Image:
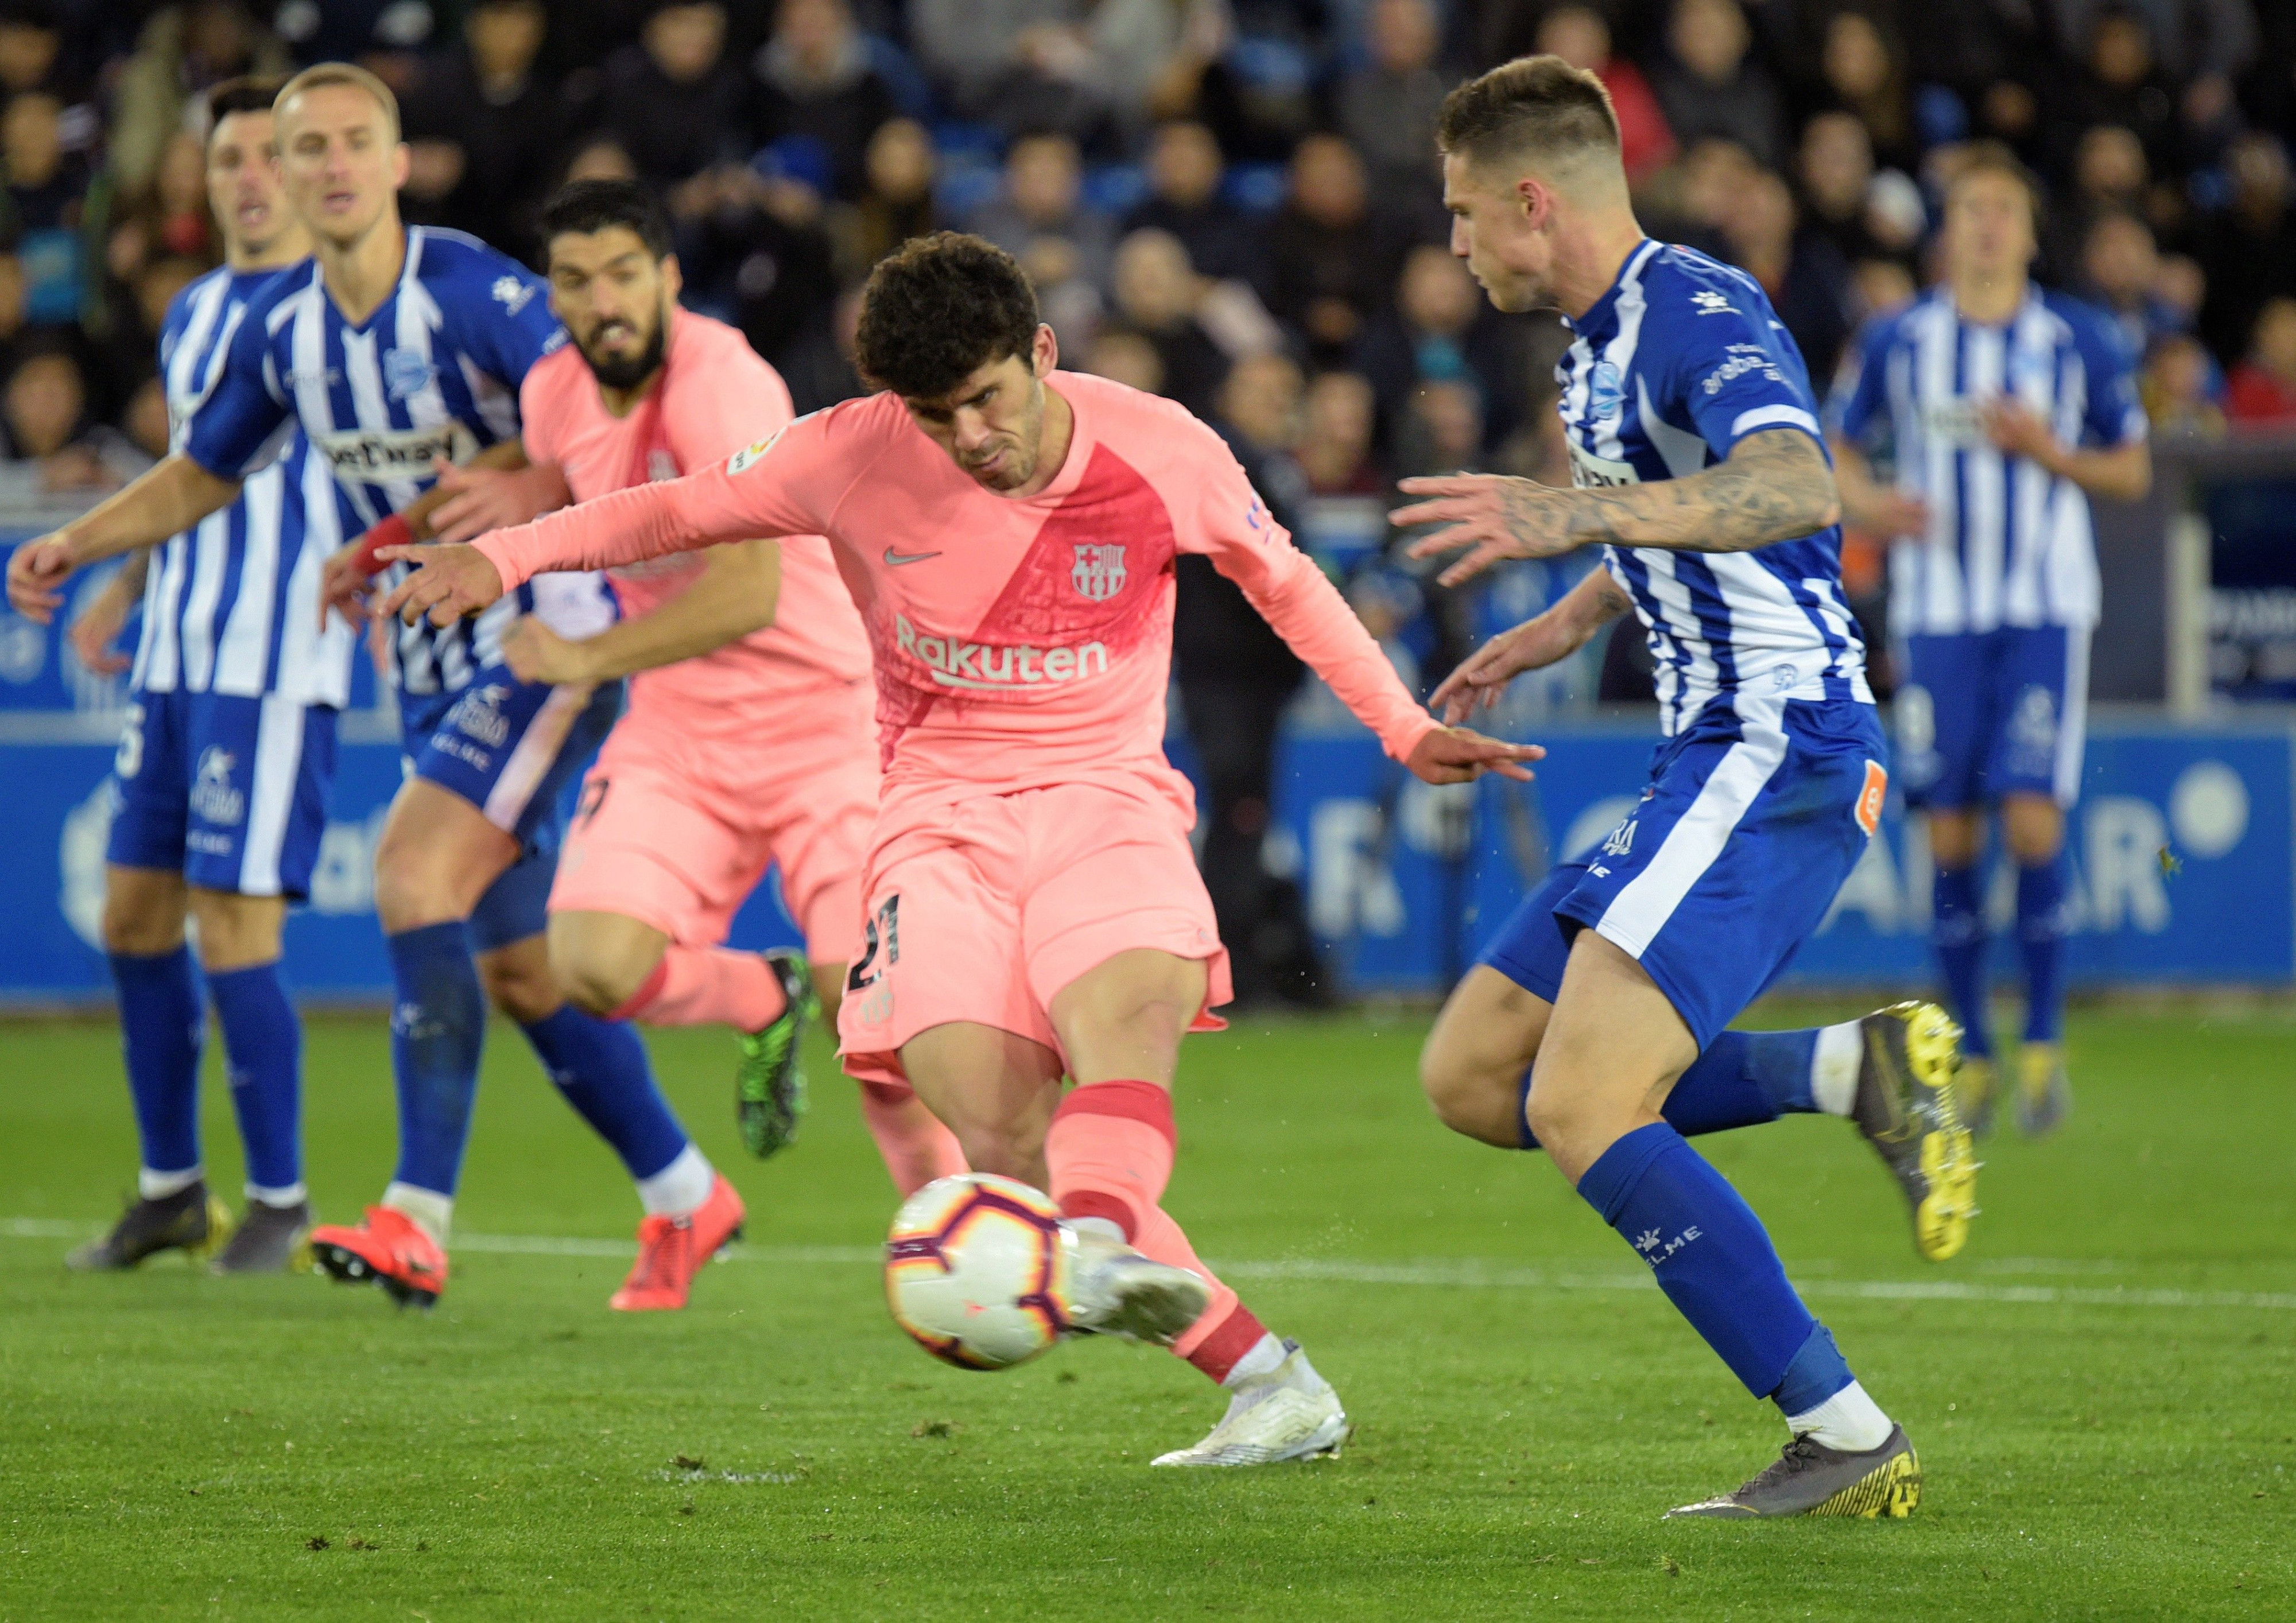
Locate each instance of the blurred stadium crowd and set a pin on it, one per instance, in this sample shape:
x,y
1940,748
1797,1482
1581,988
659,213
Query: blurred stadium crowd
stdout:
x,y
1232,202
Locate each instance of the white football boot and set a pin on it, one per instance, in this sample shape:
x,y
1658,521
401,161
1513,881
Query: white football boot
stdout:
x,y
1291,1413
1114,1291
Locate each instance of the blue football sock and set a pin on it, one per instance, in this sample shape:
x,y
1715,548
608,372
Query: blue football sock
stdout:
x,y
1816,1373
1744,1079
601,1067
438,1027
264,1042
1957,929
1707,1249
2041,940
160,1027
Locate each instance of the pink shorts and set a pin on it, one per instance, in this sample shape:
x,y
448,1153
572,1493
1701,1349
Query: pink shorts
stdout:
x,y
981,909
677,834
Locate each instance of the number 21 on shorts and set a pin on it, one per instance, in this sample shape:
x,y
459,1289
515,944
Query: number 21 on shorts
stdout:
x,y
881,933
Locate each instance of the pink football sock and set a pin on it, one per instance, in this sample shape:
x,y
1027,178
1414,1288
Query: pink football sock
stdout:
x,y
917,1149
1110,1153
708,986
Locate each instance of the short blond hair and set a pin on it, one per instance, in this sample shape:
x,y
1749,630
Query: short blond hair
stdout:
x,y
1532,108
320,75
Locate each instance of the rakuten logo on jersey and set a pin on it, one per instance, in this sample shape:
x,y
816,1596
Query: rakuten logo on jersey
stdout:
x,y
959,664
383,456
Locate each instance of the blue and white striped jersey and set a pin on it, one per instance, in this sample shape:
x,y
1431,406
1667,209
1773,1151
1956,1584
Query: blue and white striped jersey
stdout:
x,y
232,606
433,372
2009,543
1679,361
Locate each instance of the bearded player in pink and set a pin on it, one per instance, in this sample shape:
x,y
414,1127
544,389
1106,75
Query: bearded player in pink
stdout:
x,y
737,749
1009,533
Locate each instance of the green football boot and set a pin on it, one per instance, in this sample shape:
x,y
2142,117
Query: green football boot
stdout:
x,y
769,1083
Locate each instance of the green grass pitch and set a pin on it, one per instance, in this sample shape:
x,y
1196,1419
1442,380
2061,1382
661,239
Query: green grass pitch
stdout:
x,y
2102,1388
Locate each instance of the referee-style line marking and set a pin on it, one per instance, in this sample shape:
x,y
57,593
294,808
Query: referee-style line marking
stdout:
x,y
1464,1275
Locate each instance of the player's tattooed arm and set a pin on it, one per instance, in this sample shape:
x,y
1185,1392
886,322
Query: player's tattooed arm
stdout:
x,y
1774,486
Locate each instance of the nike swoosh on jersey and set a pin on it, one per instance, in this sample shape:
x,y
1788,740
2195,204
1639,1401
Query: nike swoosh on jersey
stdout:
x,y
898,558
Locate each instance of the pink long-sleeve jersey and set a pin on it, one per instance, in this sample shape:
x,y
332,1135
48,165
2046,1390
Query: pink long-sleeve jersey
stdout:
x,y
713,396
1017,642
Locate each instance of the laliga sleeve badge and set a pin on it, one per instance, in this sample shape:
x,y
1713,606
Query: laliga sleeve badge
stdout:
x,y
1870,798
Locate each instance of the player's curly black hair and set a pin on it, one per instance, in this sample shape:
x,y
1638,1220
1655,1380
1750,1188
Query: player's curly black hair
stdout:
x,y
939,308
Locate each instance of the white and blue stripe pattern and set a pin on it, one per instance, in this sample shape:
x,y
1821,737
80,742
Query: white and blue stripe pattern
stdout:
x,y
231,606
1679,361
433,372
2009,544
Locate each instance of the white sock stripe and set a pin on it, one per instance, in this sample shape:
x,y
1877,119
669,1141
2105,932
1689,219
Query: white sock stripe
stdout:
x,y
678,1189
1849,1421
431,1212
1267,1354
152,1185
1833,1068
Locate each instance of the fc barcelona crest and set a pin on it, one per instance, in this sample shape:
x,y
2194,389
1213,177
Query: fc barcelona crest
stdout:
x,y
1099,572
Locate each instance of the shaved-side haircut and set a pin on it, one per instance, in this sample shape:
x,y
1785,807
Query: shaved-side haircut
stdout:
x,y
1534,110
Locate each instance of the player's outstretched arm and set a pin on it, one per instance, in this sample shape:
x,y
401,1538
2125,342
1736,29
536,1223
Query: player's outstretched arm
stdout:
x,y
1774,486
1537,643
1308,612
448,584
342,588
734,593
99,623
1872,505
173,496
1455,755
680,516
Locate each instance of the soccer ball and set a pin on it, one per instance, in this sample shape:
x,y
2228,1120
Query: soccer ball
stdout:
x,y
975,1270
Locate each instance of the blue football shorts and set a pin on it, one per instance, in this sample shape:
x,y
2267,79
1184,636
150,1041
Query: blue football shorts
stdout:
x,y
231,791
1992,713
510,748
1753,816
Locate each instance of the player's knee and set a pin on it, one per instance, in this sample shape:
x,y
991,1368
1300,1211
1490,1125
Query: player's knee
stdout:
x,y
594,988
2033,831
521,985
595,980
1003,1150
237,931
411,889
137,925
1478,1100
1556,1122
1954,838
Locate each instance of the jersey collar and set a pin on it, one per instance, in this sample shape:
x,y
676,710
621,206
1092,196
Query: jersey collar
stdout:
x,y
1600,311
2032,297
1080,439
